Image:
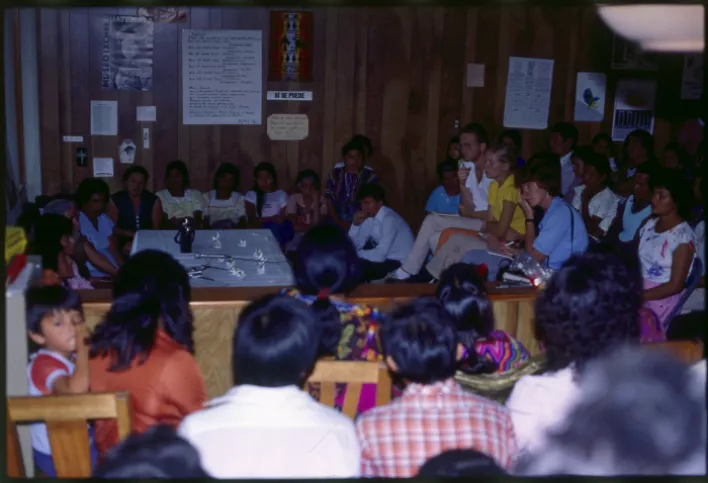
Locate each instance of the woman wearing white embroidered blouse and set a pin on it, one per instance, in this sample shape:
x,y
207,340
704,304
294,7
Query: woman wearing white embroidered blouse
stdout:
x,y
590,306
224,206
178,201
594,199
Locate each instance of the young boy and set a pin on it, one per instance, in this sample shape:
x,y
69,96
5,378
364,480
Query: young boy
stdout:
x,y
55,323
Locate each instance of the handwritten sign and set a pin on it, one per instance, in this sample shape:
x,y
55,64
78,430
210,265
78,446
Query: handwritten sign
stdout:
x,y
289,95
222,77
288,127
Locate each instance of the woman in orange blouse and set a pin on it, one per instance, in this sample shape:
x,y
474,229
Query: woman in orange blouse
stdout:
x,y
145,346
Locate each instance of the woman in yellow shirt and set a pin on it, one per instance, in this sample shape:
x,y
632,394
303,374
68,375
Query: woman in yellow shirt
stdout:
x,y
505,219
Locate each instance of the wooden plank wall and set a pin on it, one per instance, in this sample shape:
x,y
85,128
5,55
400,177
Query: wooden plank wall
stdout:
x,y
394,74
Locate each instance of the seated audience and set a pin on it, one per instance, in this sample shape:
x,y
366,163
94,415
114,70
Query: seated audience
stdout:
x,y
157,453
224,207
446,197
434,414
306,207
589,307
346,178
463,294
561,232
602,144
266,204
512,138
675,157
474,188
638,412
55,324
266,426
91,198
564,140
134,208
594,199
460,462
144,346
632,213
326,269
638,148
578,163
382,238
178,201
55,244
667,244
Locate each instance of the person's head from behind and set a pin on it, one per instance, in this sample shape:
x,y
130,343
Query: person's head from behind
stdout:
x,y
151,293
63,207
639,412
135,179
670,195
539,180
447,172
638,147
354,155
226,178
460,462
512,137
674,156
308,182
92,196
276,342
641,182
578,160
500,161
53,314
54,238
176,177
596,172
602,144
564,138
453,148
371,197
590,306
326,263
157,453
473,142
420,342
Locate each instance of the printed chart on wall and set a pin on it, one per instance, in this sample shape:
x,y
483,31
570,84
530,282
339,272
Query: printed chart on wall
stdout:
x,y
222,77
634,107
590,97
692,80
528,93
126,60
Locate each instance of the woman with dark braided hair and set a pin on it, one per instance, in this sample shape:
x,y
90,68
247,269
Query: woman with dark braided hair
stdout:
x,y
266,204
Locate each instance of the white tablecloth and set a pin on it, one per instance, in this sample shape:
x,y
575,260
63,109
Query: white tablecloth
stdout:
x,y
277,272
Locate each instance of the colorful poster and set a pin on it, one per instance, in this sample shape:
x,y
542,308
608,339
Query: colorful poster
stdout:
x,y
126,60
291,46
634,107
165,14
692,81
627,55
590,90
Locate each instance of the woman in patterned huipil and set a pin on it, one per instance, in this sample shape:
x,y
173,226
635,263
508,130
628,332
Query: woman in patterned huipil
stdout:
x,y
346,178
327,265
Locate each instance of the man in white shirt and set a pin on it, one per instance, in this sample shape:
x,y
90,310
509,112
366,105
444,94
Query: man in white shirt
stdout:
x,y
564,139
474,188
382,238
266,426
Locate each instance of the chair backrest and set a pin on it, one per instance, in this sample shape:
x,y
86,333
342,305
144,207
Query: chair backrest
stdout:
x,y
329,373
688,351
692,281
66,418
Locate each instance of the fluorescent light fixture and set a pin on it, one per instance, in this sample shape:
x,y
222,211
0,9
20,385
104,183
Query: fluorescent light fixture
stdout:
x,y
659,28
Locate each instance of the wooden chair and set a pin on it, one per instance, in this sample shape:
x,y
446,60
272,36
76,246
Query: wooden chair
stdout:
x,y
66,418
688,351
328,373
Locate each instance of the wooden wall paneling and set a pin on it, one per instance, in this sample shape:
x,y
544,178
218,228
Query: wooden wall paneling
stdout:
x,y
330,152
571,18
50,122
65,118
470,58
346,62
214,151
505,34
360,61
488,32
80,105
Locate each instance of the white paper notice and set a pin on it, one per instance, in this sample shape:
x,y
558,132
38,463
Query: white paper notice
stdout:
x,y
288,127
221,76
104,118
634,107
102,167
692,81
475,75
289,95
590,90
528,93
146,138
73,139
146,113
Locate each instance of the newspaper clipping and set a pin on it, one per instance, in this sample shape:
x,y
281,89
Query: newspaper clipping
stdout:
x,y
126,60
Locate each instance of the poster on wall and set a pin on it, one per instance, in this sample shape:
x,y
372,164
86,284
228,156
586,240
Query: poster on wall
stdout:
x,y
692,80
222,77
291,46
165,14
528,93
634,107
126,59
628,55
590,90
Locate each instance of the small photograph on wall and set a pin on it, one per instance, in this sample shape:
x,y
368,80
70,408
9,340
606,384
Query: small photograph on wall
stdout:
x,y
634,107
291,46
165,14
126,60
628,55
